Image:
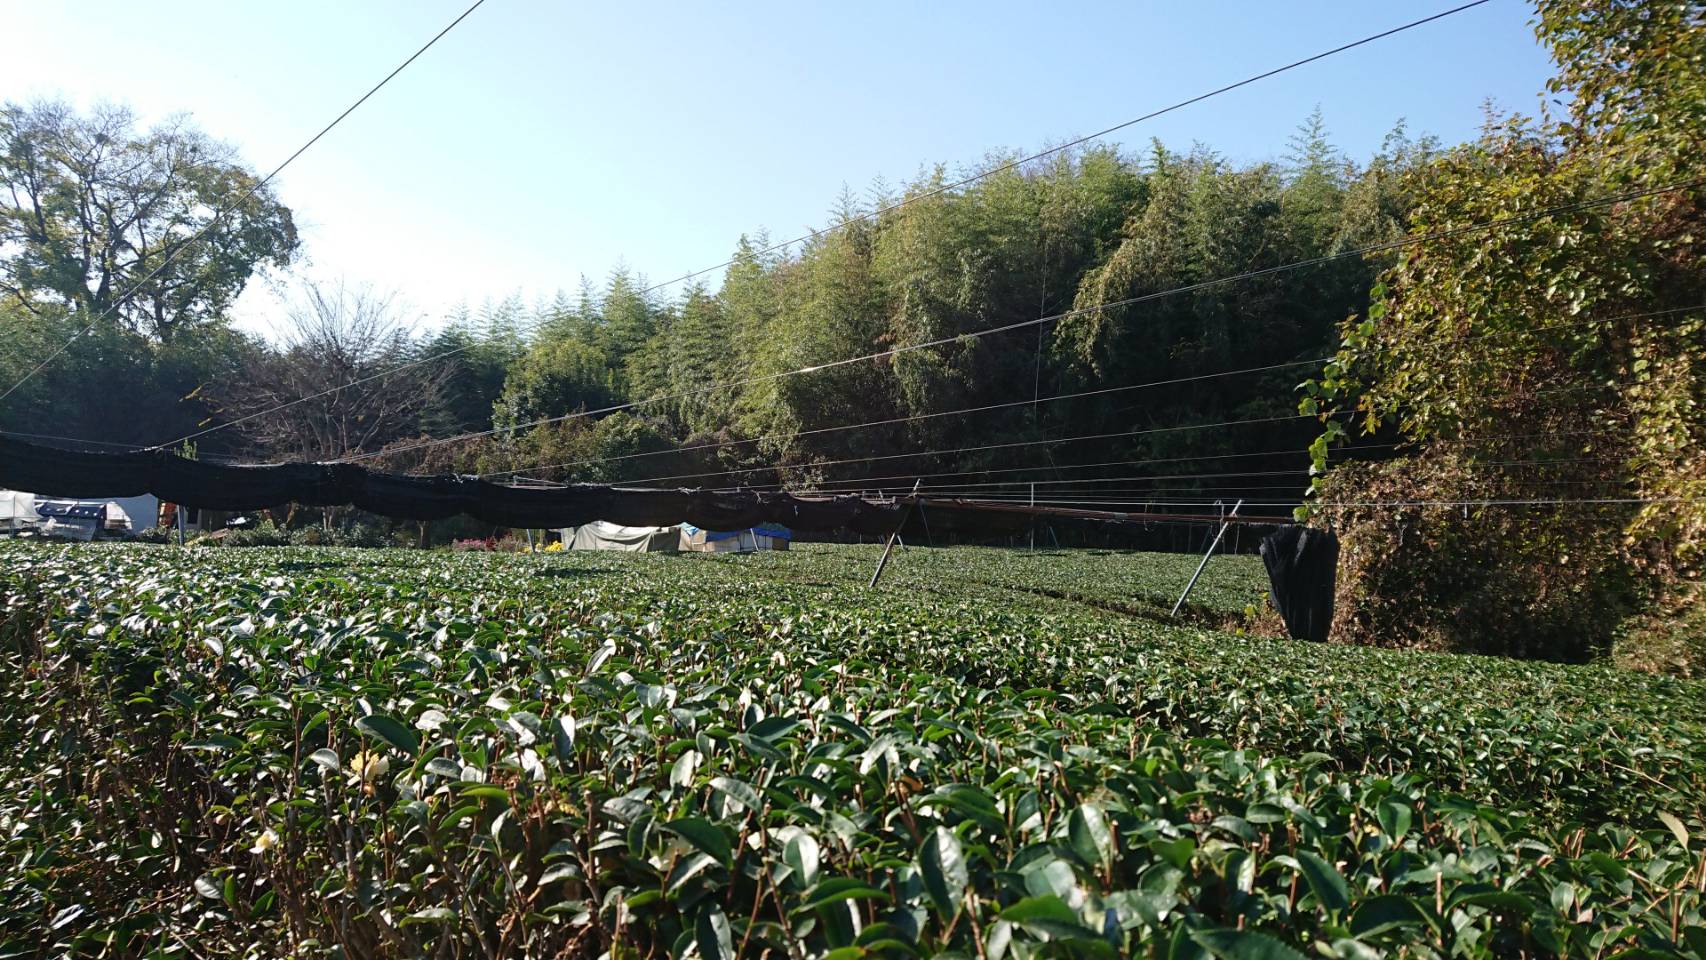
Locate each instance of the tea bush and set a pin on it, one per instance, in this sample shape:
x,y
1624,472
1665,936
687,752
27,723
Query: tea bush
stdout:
x,y
355,753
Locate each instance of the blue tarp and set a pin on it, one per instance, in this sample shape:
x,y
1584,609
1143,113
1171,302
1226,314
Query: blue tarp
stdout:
x,y
72,510
764,530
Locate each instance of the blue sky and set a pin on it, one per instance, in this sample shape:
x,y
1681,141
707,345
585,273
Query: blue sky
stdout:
x,y
542,141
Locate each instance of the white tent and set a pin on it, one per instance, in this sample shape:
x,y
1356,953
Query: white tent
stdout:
x,y
599,535
18,511
139,513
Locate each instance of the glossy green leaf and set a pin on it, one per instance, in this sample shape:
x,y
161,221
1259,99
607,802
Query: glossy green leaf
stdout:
x,y
943,866
708,837
391,731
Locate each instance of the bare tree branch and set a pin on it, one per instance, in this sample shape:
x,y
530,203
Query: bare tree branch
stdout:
x,y
337,335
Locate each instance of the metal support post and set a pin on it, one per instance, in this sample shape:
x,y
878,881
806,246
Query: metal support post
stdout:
x,y
888,548
1034,516
180,513
1227,522
530,540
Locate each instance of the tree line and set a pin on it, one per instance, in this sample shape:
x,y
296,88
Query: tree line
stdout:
x,y
1062,238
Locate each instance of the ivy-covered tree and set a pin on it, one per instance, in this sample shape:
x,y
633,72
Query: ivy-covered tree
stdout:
x,y
1552,361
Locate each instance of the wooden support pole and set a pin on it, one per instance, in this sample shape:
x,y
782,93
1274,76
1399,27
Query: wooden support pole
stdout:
x,y
1210,552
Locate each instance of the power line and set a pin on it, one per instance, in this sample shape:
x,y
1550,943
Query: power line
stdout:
x,y
1126,495
912,418
1288,451
855,484
936,192
232,205
80,440
1015,164
1057,488
1054,440
1053,485
994,446
1129,301
1161,496
1548,502
1223,517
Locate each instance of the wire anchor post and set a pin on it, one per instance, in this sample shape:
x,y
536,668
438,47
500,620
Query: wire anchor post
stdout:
x,y
888,548
1227,522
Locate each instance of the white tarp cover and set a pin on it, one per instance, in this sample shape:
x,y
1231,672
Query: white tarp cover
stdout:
x,y
138,513
18,511
17,505
599,535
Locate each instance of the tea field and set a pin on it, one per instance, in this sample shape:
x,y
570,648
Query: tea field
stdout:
x,y
995,754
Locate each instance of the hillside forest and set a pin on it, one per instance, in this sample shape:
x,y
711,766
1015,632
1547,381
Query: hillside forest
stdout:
x,y
1427,349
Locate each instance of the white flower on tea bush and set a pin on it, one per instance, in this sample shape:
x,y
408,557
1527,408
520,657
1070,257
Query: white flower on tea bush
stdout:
x,y
267,840
366,766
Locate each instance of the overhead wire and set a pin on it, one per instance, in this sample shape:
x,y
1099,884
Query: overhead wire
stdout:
x,y
1176,381
1069,145
1287,451
913,418
1055,440
994,446
1057,486
226,209
1004,328
77,440
905,201
1534,502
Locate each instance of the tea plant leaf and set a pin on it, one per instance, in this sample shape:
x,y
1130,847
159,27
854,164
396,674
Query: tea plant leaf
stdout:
x,y
713,935
210,887
66,916
1047,915
1394,819
708,837
1091,839
943,865
773,728
1677,829
681,774
741,793
1243,945
836,889
391,731
604,653
1325,881
326,759
801,854
1377,915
